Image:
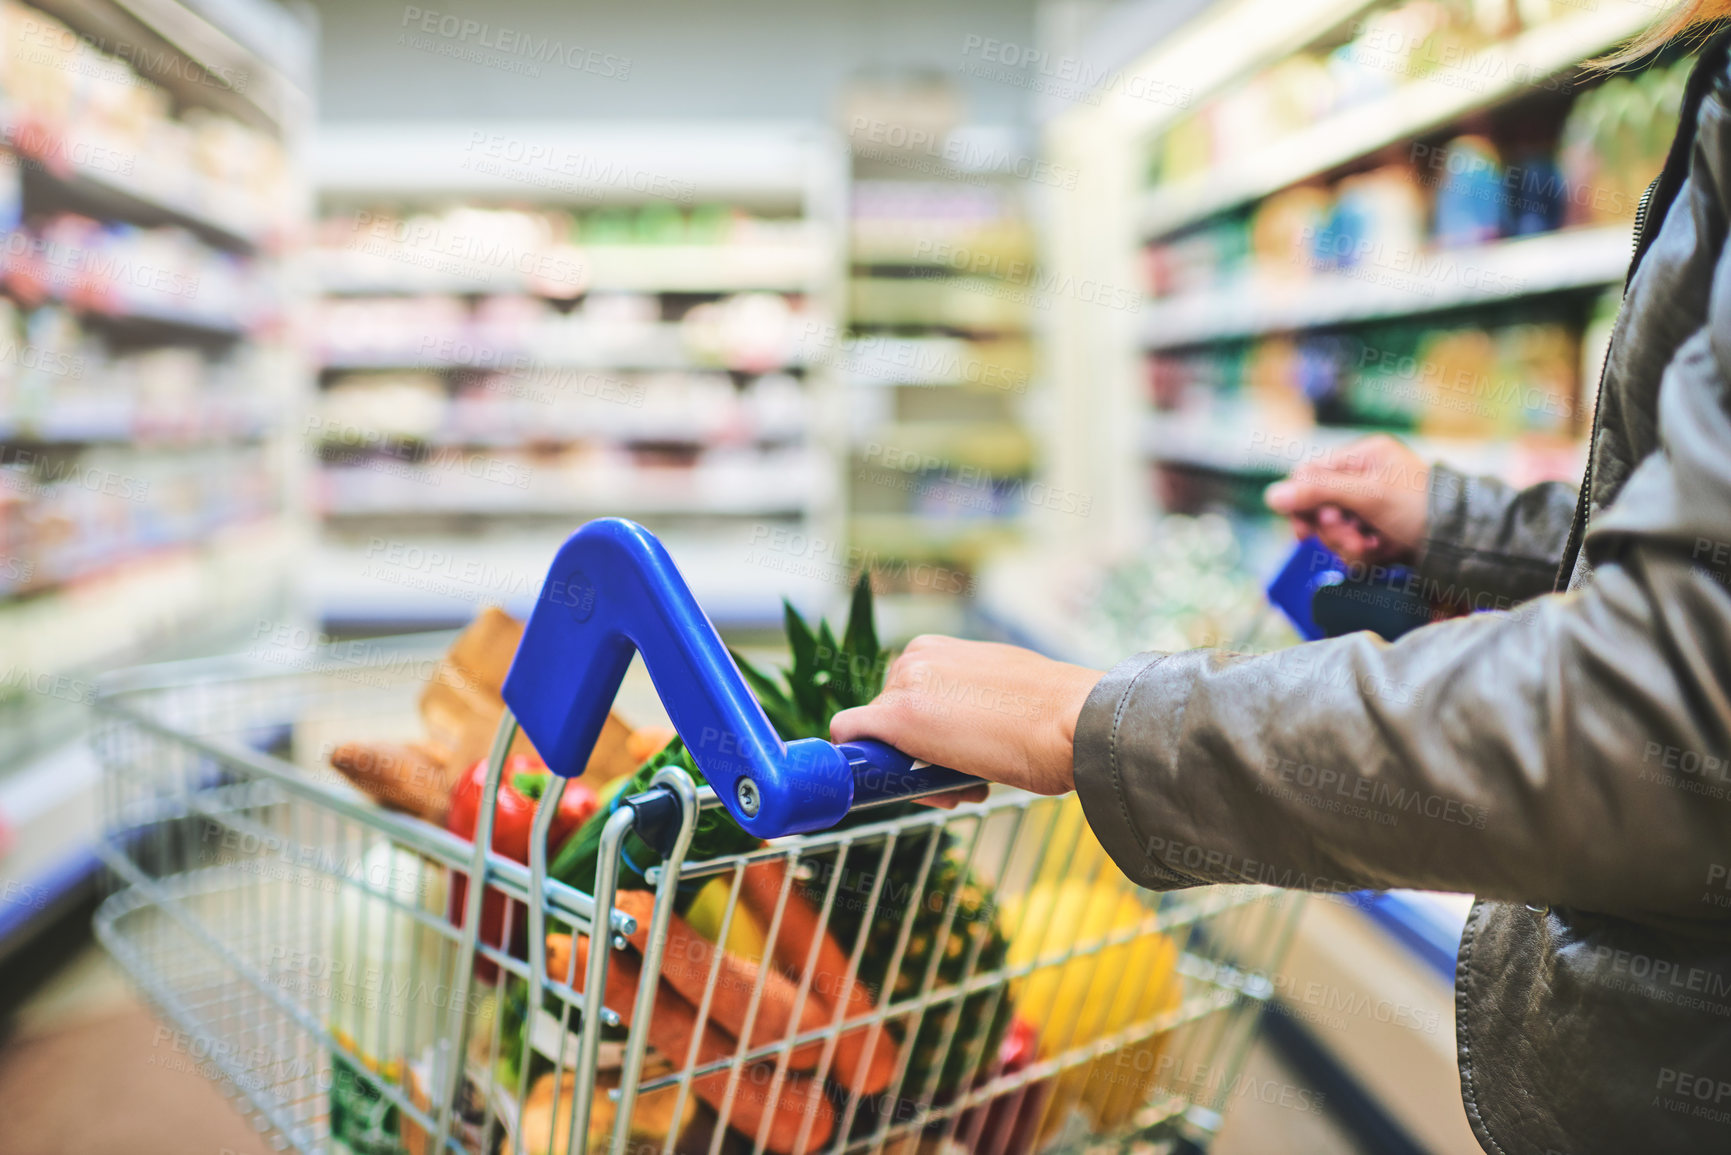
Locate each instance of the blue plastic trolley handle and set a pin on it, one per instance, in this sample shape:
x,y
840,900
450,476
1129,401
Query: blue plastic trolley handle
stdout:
x,y
613,591
1310,567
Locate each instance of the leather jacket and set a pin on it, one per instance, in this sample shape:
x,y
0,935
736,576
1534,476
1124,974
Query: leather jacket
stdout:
x,y
1566,758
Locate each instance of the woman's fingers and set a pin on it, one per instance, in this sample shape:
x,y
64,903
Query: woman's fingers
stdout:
x,y
1346,534
999,712
951,799
1366,501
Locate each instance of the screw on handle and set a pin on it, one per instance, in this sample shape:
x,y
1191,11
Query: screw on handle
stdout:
x,y
612,591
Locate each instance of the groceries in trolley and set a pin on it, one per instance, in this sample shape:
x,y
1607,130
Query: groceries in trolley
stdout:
x,y
446,947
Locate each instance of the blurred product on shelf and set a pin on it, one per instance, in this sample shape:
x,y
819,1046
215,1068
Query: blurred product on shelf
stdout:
x,y
1391,47
1453,283
939,361
106,453
79,113
573,482
122,271
1472,189
520,334
966,228
1502,379
1615,140
560,254
1375,215
365,409
491,373
1469,196
67,513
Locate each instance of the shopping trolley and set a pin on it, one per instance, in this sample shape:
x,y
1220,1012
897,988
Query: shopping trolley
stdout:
x,y
977,978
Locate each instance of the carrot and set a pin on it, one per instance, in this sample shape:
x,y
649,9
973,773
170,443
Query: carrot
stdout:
x,y
686,963
671,1029
865,1057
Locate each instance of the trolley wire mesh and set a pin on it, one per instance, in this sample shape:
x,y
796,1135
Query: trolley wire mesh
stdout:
x,y
304,943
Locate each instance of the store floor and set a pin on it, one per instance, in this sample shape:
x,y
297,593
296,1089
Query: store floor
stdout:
x,y
85,1069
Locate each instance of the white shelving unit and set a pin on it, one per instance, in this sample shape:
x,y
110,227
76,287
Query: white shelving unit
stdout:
x,y
150,507
753,473
766,267
1256,448
939,361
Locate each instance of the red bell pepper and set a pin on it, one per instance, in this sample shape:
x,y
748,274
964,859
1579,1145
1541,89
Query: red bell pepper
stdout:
x,y
520,790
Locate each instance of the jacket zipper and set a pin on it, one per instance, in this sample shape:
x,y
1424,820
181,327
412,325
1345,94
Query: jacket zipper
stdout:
x,y
1577,530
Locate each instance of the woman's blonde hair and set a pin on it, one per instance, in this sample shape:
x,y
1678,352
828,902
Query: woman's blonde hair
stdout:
x,y
1688,20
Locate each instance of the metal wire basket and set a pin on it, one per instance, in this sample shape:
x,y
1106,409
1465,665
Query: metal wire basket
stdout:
x,y
979,979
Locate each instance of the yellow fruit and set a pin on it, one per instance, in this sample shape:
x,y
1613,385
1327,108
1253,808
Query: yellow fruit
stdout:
x,y
1072,850
745,937
1101,989
1098,991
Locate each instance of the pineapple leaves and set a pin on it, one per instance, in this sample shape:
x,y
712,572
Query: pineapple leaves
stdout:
x,y
799,636
783,713
862,664
861,635
827,675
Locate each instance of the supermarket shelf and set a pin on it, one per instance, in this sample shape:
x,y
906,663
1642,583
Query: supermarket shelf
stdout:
x,y
646,358
442,580
126,614
1415,108
548,437
97,192
885,360
704,268
658,346
48,806
769,490
1426,283
976,452
553,161
104,564
138,320
694,505
915,535
122,420
1251,447
1002,249
155,322
645,268
978,306
215,70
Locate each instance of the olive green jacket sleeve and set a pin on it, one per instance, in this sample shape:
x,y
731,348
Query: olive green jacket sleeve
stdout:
x,y
1489,544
